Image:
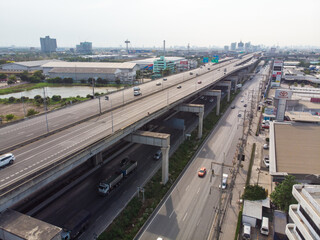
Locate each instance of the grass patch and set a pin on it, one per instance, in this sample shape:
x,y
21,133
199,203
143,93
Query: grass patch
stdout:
x,y
30,86
250,164
132,218
238,225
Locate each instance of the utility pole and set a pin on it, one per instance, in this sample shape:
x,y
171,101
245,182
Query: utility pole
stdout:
x,y
45,108
218,225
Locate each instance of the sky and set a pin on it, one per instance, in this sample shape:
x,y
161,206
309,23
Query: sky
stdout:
x,y
146,23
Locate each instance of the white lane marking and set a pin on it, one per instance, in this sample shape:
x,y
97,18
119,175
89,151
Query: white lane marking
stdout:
x,y
198,222
198,191
185,216
171,213
29,135
187,187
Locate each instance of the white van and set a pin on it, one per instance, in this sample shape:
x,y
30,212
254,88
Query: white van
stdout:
x,y
265,226
246,235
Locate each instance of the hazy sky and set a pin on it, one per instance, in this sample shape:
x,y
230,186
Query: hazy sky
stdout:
x,y
108,23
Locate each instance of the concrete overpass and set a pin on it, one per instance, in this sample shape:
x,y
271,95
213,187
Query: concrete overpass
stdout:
x,y
60,153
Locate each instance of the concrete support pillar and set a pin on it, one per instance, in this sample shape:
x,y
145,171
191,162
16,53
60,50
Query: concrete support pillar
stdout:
x,y
97,159
165,164
229,91
200,124
218,105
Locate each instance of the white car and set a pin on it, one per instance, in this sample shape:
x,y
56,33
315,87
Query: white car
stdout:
x,y
158,83
265,146
6,159
266,161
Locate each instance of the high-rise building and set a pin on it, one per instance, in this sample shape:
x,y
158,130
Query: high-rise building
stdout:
x,y
84,47
306,214
226,48
247,46
233,46
240,45
48,44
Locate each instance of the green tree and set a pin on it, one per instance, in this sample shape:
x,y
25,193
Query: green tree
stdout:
x,y
12,99
56,98
295,84
13,77
302,84
24,76
3,76
282,194
9,117
39,74
254,192
31,112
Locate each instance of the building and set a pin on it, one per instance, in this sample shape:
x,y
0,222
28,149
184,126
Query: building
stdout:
x,y
247,46
253,211
294,149
306,214
15,225
226,48
84,48
26,66
240,45
233,46
276,73
48,44
125,72
162,64
147,63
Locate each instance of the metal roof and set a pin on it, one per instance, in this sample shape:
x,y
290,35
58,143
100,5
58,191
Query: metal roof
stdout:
x,y
34,63
297,147
125,65
79,70
151,60
252,209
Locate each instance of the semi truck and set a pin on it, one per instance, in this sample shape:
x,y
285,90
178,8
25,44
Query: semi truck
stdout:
x,y
105,186
74,226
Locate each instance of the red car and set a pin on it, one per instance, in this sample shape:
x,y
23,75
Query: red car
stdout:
x,y
199,82
202,172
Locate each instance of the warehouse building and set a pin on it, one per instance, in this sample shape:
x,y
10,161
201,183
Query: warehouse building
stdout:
x,y
26,66
294,150
125,72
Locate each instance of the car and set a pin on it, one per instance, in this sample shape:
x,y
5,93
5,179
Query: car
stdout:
x,y
202,97
239,115
191,73
211,100
157,155
136,93
266,161
233,107
208,68
202,172
245,105
6,159
242,100
158,83
265,146
179,86
124,161
164,79
199,82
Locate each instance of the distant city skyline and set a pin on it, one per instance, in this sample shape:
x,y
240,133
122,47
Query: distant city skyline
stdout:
x,y
146,24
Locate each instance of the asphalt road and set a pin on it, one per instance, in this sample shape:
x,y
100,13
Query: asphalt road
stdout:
x,y
31,128
189,211
37,155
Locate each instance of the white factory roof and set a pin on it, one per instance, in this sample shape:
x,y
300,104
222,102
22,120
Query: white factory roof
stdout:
x,y
34,63
252,209
125,65
83,70
151,60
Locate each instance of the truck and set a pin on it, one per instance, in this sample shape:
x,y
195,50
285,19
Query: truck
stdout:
x,y
224,181
105,186
76,225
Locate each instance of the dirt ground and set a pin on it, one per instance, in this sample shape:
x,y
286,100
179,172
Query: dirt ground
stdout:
x,y
18,111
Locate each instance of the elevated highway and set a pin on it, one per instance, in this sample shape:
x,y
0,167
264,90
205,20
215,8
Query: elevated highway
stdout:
x,y
41,162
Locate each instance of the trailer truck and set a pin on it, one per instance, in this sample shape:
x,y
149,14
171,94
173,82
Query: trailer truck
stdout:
x,y
74,226
105,186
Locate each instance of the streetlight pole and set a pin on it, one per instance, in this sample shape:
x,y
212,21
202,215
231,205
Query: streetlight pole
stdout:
x,y
45,108
24,109
111,114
